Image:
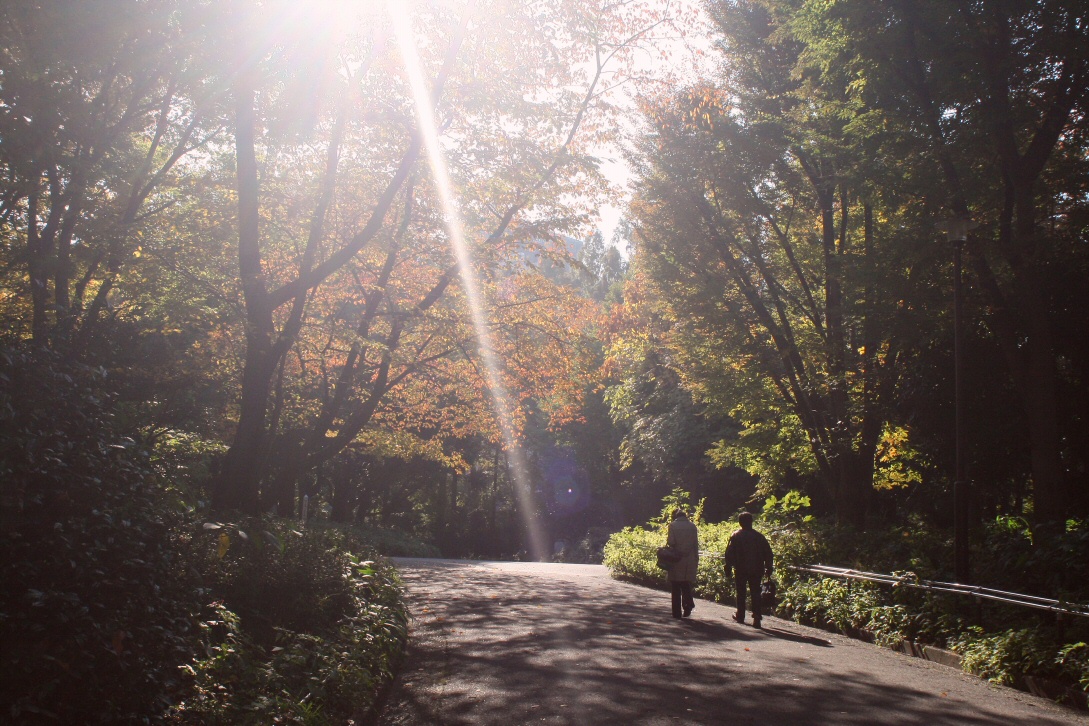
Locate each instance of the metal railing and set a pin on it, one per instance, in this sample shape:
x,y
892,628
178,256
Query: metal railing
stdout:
x,y
911,580
975,591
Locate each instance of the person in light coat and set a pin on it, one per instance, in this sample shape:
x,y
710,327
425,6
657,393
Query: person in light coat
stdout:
x,y
684,538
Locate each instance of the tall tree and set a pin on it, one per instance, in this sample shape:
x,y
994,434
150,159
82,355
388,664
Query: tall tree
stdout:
x,y
997,93
757,218
275,48
100,101
514,104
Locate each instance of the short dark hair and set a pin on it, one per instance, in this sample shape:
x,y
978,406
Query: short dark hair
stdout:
x,y
745,519
678,512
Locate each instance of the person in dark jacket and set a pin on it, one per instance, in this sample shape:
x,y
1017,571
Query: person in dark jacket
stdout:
x,y
683,537
749,556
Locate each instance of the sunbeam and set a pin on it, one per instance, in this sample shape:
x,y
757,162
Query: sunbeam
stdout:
x,y
500,396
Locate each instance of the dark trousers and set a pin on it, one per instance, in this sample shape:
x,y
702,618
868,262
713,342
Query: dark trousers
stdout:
x,y
682,597
752,584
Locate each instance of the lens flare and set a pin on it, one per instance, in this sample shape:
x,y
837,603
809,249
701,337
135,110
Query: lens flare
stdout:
x,y
500,397
566,483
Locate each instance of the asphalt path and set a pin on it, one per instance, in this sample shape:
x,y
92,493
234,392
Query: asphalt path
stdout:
x,y
537,643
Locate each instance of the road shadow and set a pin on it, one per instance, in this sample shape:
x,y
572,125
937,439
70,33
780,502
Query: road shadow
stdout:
x,y
500,647
715,631
795,637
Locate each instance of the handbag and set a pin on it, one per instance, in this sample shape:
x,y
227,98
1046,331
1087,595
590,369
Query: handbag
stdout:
x,y
768,590
667,557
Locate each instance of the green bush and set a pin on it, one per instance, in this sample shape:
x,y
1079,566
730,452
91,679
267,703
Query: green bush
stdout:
x,y
310,626
394,543
631,555
119,606
1008,558
1074,659
711,581
97,609
1007,657
860,606
1051,564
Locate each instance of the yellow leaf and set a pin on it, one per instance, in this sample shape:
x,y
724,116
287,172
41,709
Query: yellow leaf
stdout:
x,y
224,545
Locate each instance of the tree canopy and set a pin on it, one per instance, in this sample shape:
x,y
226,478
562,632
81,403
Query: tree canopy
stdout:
x,y
231,209
786,228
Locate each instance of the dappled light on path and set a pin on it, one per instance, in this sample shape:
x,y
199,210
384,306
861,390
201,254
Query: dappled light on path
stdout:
x,y
520,643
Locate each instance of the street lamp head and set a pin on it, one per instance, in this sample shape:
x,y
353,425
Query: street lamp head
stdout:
x,y
957,228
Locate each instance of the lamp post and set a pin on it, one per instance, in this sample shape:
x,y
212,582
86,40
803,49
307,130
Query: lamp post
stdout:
x,y
956,231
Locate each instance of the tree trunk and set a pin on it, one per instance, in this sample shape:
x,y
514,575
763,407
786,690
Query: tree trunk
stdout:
x,y
39,295
873,418
495,495
848,469
440,504
289,478
453,496
244,463
239,481
1040,399
343,494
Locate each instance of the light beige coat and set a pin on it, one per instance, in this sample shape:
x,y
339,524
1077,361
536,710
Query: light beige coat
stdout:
x,y
684,537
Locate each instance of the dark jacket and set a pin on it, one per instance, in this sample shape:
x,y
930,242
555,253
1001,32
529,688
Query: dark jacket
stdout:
x,y
748,553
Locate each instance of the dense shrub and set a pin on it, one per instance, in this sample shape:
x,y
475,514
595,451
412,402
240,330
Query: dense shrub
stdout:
x,y
1007,657
310,625
630,555
860,606
1006,652
122,605
394,543
97,609
1050,564
1015,642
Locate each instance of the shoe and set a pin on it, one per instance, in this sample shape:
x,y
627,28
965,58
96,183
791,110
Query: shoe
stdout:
x,y
687,612
738,619
756,624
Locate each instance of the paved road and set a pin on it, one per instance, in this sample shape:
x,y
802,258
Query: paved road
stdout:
x,y
536,643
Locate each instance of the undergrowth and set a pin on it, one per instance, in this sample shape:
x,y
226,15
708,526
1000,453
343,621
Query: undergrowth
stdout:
x,y
122,603
1003,644
309,627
